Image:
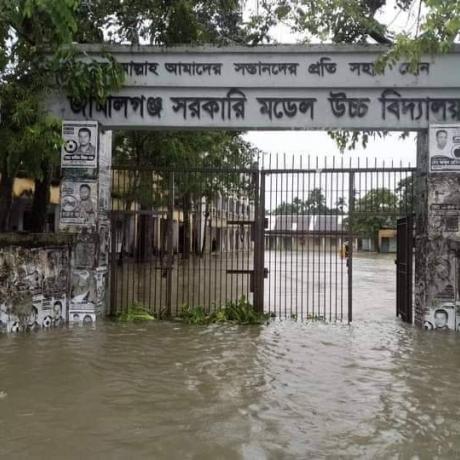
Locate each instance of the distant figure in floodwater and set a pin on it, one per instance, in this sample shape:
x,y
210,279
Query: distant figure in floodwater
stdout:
x,y
345,252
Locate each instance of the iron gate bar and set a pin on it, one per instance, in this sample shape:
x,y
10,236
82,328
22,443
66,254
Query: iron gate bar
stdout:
x,y
270,170
170,245
259,243
113,272
404,268
140,212
311,233
179,170
338,170
351,206
241,222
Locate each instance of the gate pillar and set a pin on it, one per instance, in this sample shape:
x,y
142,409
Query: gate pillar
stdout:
x,y
437,242
84,211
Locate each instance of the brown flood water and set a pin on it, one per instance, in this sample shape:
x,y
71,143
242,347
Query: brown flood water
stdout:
x,y
376,389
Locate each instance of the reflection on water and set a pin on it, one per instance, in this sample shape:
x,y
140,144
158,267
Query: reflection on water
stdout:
x,y
377,389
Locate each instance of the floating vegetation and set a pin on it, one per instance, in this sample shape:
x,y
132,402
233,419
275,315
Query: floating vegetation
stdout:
x,y
239,312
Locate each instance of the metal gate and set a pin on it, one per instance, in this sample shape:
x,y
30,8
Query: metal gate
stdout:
x,y
307,252
182,238
282,236
404,268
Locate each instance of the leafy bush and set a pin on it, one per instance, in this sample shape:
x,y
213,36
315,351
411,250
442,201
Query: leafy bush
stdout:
x,y
239,312
194,315
135,312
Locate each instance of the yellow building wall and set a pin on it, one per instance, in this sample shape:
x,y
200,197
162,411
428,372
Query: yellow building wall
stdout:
x,y
387,233
23,186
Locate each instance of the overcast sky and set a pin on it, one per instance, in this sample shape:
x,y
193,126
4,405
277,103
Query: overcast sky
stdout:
x,y
392,148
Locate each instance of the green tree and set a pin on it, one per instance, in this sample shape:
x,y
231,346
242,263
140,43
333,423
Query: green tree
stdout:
x,y
345,21
406,193
164,22
184,151
315,203
36,44
185,22
377,209
340,204
297,206
436,29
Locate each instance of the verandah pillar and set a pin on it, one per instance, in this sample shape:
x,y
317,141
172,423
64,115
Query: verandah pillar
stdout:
x,y
84,210
437,228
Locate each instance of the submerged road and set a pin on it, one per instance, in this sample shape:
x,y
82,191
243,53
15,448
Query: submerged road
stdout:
x,y
289,390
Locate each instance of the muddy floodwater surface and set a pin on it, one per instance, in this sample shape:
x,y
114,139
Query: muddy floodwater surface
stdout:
x,y
288,390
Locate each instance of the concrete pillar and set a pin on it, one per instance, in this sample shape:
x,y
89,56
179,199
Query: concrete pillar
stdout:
x,y
84,211
437,231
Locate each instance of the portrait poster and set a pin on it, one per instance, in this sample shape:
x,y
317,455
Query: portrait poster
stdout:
x,y
48,311
101,284
82,317
444,148
441,317
105,174
80,144
83,291
104,245
45,312
444,205
85,253
78,203
82,309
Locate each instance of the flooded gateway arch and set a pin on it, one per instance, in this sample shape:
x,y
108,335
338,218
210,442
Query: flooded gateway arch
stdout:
x,y
294,87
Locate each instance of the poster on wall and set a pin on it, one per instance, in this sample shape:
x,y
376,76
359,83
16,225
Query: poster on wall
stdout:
x,y
441,317
79,149
48,312
105,153
78,203
104,245
443,311
105,174
82,303
45,312
444,204
104,195
83,290
85,252
101,282
444,147
84,317
457,317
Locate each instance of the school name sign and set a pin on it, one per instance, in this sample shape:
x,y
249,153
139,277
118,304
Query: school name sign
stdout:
x,y
272,87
